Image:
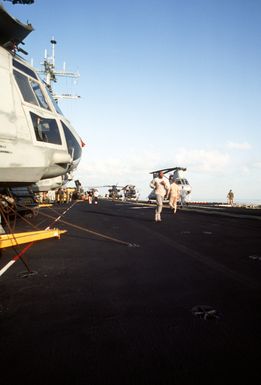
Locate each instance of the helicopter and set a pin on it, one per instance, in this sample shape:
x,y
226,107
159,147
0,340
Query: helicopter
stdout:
x,y
114,191
130,192
177,175
36,140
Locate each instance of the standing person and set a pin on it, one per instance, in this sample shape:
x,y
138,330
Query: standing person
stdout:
x,y
230,198
60,196
161,187
183,196
173,196
90,197
66,193
95,196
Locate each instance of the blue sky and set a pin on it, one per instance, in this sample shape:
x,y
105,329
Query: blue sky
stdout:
x,y
163,83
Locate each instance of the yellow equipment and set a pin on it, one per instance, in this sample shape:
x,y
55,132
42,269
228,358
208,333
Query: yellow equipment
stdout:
x,y
9,240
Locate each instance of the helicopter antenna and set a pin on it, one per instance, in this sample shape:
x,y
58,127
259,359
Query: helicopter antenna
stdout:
x,y
50,73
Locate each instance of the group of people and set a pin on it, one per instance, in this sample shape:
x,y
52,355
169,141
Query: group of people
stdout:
x,y
63,195
164,190
92,196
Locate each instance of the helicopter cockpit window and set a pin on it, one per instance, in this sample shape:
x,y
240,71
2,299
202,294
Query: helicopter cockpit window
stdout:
x,y
39,95
178,181
73,146
20,66
24,86
55,104
46,130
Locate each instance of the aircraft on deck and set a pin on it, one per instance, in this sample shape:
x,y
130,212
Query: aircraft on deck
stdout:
x,y
114,191
36,140
130,192
172,174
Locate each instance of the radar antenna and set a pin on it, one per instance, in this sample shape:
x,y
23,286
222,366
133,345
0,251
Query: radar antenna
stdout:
x,y
50,73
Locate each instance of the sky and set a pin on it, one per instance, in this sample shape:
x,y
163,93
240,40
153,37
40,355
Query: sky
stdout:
x,y
163,83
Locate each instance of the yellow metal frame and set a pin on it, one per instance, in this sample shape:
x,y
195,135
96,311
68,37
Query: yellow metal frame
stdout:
x,y
9,240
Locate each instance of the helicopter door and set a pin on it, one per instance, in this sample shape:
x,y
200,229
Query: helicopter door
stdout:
x,y
7,106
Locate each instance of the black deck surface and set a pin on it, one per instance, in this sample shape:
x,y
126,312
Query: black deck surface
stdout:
x,y
103,313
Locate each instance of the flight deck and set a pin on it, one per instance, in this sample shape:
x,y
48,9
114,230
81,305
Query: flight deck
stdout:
x,y
122,300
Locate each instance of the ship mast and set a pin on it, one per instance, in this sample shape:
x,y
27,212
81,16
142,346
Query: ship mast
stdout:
x,y
50,73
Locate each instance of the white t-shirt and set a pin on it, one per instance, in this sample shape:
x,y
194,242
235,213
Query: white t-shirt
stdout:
x,y
160,185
